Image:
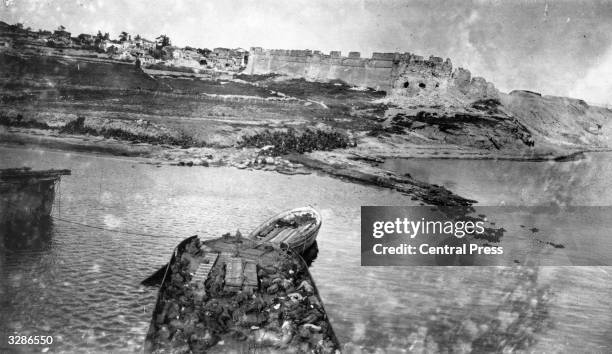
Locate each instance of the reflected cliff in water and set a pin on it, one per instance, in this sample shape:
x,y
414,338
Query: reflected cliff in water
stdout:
x,y
522,183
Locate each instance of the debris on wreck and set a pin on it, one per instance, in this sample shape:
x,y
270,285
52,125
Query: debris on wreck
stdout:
x,y
233,294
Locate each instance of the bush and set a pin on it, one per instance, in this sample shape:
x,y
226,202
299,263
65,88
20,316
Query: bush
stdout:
x,y
291,141
19,122
159,66
78,127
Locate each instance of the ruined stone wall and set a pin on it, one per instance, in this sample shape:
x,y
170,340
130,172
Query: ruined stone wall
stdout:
x,y
416,75
366,72
403,74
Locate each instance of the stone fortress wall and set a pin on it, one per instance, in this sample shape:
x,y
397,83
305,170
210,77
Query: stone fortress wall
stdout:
x,y
404,74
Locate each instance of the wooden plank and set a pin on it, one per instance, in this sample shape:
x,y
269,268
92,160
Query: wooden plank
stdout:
x,y
252,254
266,230
304,229
224,257
250,275
283,235
204,268
301,230
290,235
273,233
234,270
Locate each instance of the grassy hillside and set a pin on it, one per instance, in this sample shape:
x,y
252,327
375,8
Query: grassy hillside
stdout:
x,y
46,71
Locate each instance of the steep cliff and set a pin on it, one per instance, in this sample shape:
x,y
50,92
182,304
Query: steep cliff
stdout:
x,y
561,120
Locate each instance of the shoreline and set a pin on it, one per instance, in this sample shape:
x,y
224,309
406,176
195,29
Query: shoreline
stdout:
x,y
345,164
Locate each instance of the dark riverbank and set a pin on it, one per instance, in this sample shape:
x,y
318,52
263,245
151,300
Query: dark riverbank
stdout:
x,y
341,163
362,173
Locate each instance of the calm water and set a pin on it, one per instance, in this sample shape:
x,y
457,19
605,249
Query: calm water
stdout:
x,y
82,286
581,182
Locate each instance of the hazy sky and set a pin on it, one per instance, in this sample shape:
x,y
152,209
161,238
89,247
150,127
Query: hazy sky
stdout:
x,y
554,47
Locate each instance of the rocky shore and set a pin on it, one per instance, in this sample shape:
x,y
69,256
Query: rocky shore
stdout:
x,y
357,164
334,163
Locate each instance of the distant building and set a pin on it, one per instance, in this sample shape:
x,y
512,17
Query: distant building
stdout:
x,y
144,43
125,44
190,54
176,53
241,55
225,58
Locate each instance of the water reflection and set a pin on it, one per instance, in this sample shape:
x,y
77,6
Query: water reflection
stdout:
x,y
508,321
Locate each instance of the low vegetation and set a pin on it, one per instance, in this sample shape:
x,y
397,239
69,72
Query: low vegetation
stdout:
x,y
77,126
19,122
291,140
160,66
256,77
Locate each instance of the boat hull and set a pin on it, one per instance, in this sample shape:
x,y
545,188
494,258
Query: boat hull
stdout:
x,y
235,295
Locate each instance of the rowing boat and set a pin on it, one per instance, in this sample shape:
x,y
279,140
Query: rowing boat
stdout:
x,y
297,228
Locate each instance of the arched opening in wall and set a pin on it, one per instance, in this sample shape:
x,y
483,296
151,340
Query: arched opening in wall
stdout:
x,y
203,62
422,85
406,84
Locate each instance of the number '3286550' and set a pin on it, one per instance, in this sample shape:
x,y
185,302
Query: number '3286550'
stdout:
x,y
30,340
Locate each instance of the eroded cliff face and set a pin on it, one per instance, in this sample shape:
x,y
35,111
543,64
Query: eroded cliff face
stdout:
x,y
520,123
483,125
436,104
432,103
